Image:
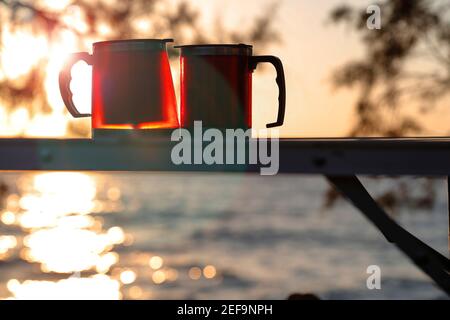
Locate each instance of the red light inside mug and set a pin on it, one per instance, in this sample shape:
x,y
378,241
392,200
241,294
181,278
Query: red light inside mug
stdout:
x,y
132,85
216,85
133,90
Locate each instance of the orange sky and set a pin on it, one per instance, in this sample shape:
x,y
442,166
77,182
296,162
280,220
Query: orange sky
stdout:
x,y
311,50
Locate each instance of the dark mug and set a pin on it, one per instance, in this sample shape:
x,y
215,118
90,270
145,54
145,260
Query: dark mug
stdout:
x,y
132,85
216,85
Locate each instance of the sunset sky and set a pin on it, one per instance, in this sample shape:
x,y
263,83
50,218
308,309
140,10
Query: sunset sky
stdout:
x,y
175,235
311,49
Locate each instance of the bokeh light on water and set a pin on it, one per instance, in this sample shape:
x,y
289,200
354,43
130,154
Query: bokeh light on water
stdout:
x,y
53,226
60,234
95,287
194,236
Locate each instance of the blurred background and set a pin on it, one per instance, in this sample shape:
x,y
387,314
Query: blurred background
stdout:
x,y
343,79
143,236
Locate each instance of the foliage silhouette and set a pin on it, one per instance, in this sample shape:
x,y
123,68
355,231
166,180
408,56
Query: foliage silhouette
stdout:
x,y
405,70
406,66
180,21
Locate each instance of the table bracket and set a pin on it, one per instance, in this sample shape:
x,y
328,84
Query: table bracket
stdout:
x,y
431,262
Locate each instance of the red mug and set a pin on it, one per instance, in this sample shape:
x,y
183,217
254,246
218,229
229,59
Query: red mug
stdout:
x,y
132,85
216,85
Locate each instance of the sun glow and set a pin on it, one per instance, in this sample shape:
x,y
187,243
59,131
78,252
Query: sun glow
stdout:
x,y
95,287
60,230
23,50
56,196
63,237
57,4
7,243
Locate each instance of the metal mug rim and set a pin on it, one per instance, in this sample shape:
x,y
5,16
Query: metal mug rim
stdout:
x,y
216,49
131,44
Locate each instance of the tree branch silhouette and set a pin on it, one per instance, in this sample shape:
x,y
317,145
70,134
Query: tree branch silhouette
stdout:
x,y
389,77
180,21
406,67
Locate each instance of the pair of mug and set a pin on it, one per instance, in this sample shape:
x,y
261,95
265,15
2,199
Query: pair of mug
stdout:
x,y
132,85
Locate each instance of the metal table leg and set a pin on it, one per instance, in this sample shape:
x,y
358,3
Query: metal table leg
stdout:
x,y
434,264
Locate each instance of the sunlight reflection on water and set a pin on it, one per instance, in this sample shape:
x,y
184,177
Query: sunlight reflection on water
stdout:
x,y
58,223
63,237
154,236
95,287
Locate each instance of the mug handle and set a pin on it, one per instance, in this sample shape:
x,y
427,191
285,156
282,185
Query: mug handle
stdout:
x,y
281,82
64,82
